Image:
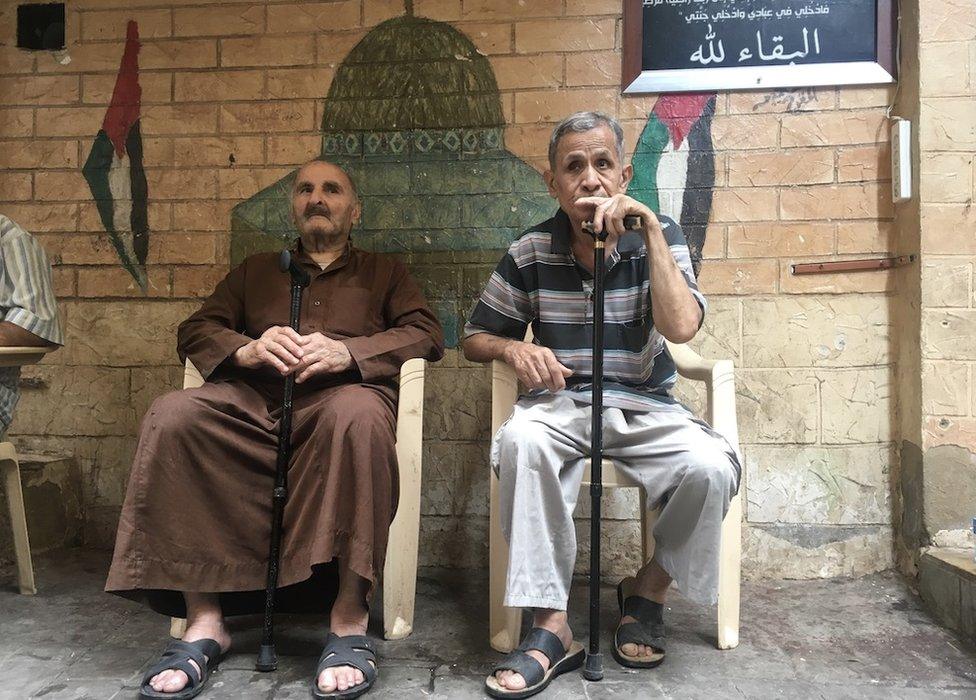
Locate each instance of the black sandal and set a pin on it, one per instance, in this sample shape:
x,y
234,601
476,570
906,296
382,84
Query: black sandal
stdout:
x,y
647,631
354,650
536,680
176,657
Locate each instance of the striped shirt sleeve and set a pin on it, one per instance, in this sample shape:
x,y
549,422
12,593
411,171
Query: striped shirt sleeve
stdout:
x,y
504,308
678,245
26,291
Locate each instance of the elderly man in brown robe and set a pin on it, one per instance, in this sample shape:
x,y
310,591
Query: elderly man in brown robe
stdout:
x,y
196,521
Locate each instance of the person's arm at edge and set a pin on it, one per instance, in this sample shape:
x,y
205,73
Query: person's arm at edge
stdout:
x,y
12,335
29,301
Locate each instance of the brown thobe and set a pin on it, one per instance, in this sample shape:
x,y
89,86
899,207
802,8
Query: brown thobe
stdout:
x,y
197,512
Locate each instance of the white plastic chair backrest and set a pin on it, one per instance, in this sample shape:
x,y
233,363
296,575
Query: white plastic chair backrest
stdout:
x,y
191,377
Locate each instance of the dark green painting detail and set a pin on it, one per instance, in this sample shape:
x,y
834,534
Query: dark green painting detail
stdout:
x,y
414,116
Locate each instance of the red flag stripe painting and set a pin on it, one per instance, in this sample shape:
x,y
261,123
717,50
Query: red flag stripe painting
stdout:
x,y
114,168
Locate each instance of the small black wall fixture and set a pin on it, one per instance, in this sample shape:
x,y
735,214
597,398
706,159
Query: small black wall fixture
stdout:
x,y
40,26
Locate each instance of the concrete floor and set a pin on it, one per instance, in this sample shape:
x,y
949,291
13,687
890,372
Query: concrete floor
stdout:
x,y
864,638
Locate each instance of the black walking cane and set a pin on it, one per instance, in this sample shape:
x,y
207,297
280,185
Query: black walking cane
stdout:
x,y
267,657
593,671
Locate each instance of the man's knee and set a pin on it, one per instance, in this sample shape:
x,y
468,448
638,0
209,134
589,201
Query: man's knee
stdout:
x,y
523,444
710,466
517,434
174,411
360,413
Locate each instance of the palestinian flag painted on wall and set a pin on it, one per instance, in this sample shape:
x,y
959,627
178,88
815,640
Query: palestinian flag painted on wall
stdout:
x,y
114,167
674,164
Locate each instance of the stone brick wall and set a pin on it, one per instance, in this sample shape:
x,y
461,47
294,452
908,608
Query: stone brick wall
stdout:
x,y
938,483
232,102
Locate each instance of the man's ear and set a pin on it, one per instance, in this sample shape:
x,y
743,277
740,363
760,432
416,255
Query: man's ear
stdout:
x,y
550,183
626,176
357,212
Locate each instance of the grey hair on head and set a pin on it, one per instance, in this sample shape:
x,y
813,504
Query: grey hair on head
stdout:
x,y
320,159
581,122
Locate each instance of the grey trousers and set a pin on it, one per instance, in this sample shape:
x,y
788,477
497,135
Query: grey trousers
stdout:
x,y
540,453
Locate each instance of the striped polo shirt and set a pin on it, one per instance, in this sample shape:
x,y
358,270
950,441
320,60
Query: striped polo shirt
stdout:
x,y
26,300
539,282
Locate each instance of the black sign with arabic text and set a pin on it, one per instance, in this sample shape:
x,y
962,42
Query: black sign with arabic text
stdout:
x,y
685,34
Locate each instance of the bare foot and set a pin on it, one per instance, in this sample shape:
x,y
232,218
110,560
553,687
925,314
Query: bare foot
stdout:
x,y
173,681
556,622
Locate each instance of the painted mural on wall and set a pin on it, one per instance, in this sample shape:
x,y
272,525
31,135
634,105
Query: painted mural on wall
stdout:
x,y
674,165
414,115
114,167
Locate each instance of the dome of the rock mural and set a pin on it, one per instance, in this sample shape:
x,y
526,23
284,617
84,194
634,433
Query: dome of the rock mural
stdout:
x,y
412,73
412,86
414,116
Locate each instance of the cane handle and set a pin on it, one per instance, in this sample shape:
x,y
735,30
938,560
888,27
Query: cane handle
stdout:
x,y
632,222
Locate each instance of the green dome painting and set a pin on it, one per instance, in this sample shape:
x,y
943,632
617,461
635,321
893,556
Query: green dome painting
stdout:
x,y
414,116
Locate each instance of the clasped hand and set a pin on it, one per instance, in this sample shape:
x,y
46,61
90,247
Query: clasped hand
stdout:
x,y
289,352
609,213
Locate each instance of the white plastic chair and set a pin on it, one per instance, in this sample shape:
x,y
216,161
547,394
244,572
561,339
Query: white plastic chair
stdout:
x,y
10,469
400,570
504,623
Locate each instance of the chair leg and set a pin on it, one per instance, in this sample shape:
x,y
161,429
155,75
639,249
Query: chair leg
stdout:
x,y
177,627
400,569
729,575
648,520
18,525
504,623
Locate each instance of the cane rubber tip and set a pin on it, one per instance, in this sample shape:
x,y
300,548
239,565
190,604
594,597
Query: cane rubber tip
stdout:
x,y
593,670
267,659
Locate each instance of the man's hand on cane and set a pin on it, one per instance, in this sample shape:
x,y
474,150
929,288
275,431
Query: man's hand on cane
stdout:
x,y
322,355
279,347
609,213
289,352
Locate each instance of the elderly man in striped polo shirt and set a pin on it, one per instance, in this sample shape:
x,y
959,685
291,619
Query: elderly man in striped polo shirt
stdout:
x,y
545,279
28,308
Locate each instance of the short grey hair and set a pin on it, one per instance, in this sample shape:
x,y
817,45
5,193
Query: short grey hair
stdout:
x,y
320,159
581,122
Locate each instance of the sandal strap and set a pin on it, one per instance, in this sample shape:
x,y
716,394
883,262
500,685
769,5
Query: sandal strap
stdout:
x,y
641,634
177,656
524,665
538,639
210,648
355,650
644,610
649,628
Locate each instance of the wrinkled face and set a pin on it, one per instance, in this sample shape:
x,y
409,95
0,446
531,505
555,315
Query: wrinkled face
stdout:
x,y
586,165
324,205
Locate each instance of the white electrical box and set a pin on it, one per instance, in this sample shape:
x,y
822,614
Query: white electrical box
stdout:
x,y
901,160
